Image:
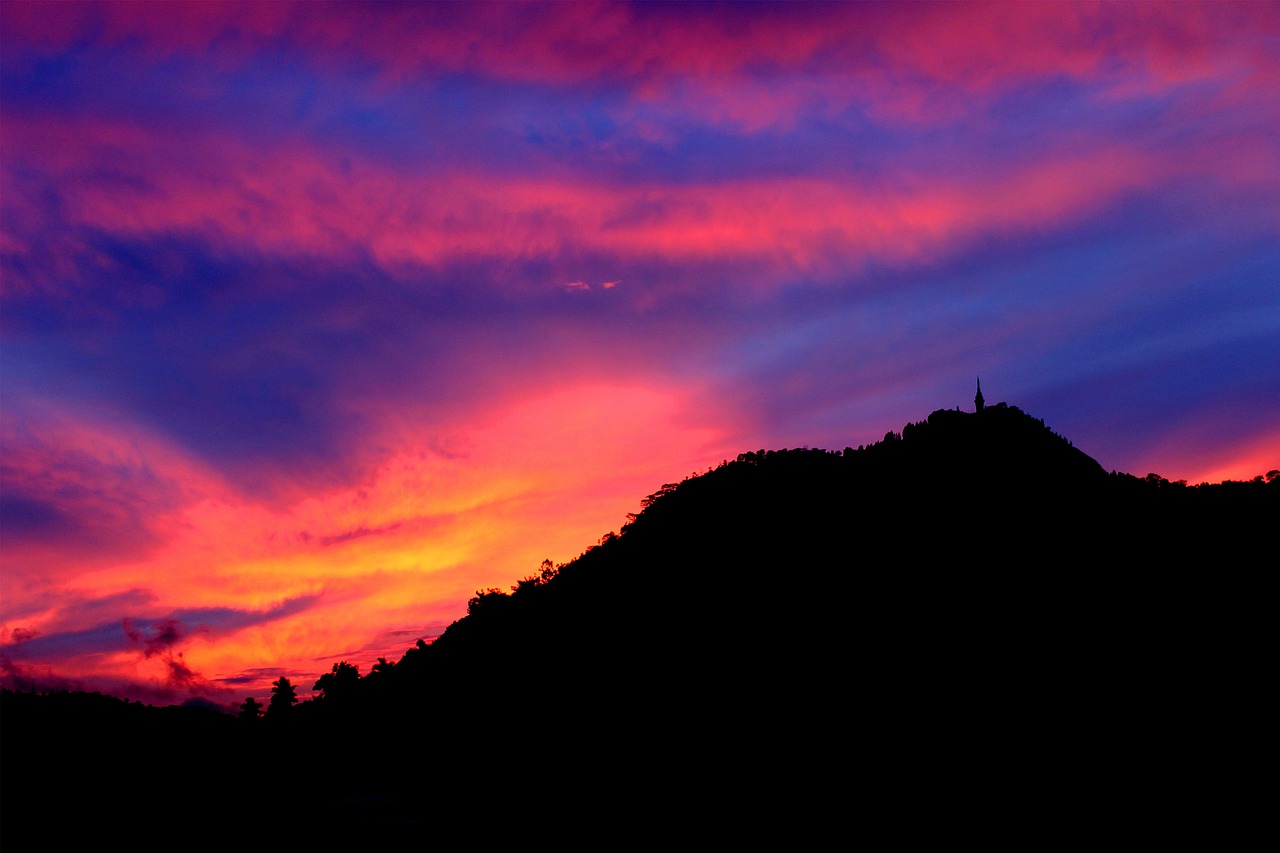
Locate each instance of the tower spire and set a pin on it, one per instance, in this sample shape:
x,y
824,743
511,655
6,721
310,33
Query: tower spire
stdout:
x,y
978,402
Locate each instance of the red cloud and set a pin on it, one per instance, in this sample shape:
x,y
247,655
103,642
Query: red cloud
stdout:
x,y
720,60
249,199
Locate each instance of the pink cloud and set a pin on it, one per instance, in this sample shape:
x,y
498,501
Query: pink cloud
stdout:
x,y
82,494
718,61
299,201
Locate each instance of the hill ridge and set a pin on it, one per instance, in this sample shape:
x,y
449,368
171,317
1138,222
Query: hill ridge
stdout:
x,y
883,607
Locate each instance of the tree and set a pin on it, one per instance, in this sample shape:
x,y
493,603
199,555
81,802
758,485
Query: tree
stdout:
x,y
283,697
251,709
339,683
548,571
486,600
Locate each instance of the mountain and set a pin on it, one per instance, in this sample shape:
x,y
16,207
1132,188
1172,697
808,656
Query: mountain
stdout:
x,y
966,629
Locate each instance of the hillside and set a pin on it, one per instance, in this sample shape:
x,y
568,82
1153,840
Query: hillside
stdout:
x,y
971,618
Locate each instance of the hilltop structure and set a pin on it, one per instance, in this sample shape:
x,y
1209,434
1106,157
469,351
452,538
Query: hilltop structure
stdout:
x,y
978,402
940,656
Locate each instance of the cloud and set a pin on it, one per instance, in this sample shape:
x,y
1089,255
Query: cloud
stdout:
x,y
21,635
92,495
178,682
182,676
18,676
252,677
152,636
347,536
80,489
50,647
55,606
163,635
753,68
293,301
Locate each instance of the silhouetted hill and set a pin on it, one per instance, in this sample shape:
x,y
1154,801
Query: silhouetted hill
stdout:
x,y
967,629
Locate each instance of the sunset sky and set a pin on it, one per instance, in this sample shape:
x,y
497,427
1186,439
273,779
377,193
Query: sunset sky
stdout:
x,y
318,318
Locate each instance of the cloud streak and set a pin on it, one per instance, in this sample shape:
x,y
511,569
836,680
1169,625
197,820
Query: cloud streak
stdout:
x,y
151,636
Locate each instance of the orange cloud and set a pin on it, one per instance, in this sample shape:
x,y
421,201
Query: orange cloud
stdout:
x,y
542,478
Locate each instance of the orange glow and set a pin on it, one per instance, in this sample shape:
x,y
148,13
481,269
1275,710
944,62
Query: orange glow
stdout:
x,y
540,479
1196,453
1258,456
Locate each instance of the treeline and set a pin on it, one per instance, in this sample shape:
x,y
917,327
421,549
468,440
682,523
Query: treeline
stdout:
x,y
782,553
787,547
961,597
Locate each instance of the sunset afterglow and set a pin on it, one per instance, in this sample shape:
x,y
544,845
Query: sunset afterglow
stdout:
x,y
318,318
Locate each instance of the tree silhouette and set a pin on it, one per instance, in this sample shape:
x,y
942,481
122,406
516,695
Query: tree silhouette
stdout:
x,y
339,683
283,697
1020,578
379,679
251,709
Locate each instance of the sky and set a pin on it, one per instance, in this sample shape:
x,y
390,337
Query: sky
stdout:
x,y
316,319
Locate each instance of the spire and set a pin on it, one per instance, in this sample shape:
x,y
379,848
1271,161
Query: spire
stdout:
x,y
977,401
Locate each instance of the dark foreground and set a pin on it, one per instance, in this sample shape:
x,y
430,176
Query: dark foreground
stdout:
x,y
966,632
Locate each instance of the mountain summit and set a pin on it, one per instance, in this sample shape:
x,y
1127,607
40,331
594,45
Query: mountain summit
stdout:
x,y
969,626
821,636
